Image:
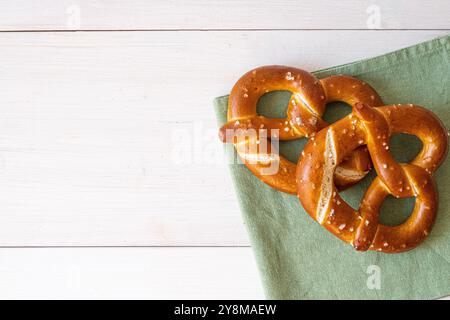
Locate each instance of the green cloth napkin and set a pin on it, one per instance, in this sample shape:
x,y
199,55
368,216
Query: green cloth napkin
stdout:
x,y
297,258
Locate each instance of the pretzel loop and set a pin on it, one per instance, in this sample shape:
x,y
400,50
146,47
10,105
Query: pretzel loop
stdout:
x,y
374,236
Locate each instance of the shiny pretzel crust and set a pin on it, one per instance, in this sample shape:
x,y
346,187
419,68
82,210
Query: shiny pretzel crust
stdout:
x,y
374,127
305,109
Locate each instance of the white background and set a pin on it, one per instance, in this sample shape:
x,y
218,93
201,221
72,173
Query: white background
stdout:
x,y
108,184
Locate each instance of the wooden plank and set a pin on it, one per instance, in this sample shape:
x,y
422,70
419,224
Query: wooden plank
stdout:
x,y
217,14
129,273
108,138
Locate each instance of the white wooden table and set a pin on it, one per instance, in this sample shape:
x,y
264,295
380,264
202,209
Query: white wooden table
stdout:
x,y
111,180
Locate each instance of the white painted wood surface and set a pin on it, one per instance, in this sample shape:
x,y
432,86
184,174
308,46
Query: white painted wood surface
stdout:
x,y
219,14
129,273
91,125
106,138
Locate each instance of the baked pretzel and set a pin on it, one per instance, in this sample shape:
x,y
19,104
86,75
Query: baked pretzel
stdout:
x,y
304,112
374,127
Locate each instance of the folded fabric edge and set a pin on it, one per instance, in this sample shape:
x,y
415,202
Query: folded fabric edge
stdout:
x,y
397,55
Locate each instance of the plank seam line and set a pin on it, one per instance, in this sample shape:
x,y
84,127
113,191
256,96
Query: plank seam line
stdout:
x,y
211,30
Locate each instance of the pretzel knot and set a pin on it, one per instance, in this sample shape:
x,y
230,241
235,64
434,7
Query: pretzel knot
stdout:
x,y
374,127
253,135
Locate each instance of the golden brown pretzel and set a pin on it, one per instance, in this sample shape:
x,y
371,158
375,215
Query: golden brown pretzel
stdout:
x,y
306,106
374,127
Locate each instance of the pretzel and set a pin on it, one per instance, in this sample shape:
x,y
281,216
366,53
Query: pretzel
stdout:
x,y
304,112
374,127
